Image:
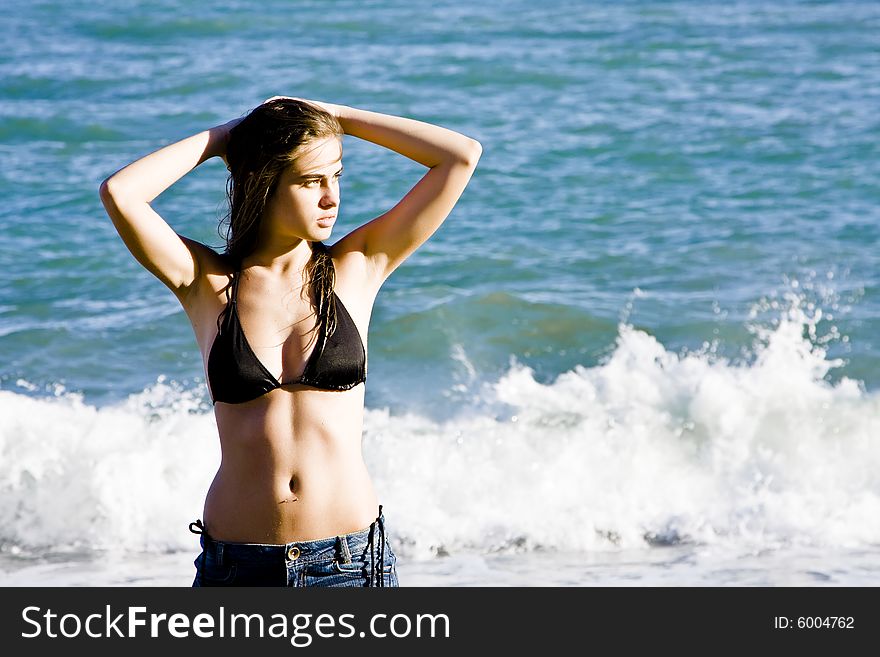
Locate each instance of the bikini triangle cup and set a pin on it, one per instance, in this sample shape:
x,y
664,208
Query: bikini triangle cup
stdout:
x,y
236,375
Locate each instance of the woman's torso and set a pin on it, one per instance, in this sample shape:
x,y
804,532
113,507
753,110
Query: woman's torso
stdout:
x,y
291,467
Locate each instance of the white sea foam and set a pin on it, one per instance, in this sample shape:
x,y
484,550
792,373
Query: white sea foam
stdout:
x,y
650,447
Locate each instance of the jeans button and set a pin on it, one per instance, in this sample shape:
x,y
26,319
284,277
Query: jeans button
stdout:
x,y
293,553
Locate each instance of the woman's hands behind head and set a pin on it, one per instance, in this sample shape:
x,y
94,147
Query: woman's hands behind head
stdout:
x,y
223,132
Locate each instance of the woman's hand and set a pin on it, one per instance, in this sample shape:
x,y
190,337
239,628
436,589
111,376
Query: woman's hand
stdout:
x,y
221,137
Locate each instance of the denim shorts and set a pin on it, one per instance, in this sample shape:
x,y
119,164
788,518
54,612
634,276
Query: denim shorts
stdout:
x,y
355,559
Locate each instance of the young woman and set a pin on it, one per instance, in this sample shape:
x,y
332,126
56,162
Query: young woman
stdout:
x,y
281,321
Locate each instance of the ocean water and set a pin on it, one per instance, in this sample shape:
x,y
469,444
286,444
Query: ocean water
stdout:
x,y
642,350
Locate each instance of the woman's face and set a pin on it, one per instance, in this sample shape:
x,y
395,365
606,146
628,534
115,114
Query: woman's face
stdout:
x,y
306,201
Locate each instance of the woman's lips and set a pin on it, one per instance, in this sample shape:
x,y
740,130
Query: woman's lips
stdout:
x,y
326,222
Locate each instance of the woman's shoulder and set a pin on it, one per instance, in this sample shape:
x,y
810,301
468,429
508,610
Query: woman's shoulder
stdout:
x,y
209,260
213,275
355,278
348,260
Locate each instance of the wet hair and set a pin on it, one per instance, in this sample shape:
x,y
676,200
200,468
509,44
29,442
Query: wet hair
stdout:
x,y
267,141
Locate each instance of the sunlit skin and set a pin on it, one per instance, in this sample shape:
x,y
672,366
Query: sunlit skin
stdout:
x,y
292,465
319,478
307,191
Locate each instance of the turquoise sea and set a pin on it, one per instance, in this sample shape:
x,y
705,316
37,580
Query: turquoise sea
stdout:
x,y
645,346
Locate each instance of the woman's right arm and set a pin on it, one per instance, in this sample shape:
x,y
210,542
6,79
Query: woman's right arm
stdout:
x,y
127,194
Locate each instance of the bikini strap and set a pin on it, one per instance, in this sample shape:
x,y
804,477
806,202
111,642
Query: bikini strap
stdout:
x,y
231,295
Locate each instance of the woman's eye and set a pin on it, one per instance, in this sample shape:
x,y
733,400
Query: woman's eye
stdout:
x,y
316,180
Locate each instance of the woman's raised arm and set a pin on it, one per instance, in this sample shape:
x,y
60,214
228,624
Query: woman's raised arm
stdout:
x,y
390,238
127,194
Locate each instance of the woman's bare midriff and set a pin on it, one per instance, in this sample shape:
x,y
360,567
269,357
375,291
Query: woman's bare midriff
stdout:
x,y
292,468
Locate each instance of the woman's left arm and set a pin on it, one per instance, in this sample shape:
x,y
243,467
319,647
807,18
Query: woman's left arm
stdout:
x,y
390,238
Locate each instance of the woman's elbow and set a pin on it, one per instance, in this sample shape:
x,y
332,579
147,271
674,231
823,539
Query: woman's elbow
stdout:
x,y
107,187
110,192
105,192
112,196
473,152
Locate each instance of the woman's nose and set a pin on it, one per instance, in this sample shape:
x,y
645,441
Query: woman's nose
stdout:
x,y
331,195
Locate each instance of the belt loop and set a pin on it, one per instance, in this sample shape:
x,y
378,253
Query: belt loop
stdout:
x,y
344,549
219,550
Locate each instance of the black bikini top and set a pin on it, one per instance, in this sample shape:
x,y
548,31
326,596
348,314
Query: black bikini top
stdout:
x,y
236,375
